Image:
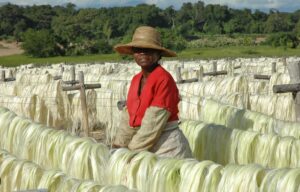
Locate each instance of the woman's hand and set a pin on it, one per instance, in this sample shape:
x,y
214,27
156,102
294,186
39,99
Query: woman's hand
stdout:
x,y
116,146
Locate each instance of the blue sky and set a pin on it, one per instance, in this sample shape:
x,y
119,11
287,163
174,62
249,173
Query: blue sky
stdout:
x,y
281,5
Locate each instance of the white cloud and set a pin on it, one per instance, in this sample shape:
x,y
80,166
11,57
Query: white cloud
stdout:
x,y
285,5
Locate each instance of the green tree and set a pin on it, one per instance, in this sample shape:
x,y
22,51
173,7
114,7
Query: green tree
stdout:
x,y
289,40
20,27
10,15
297,28
277,22
107,30
40,43
172,40
170,15
40,16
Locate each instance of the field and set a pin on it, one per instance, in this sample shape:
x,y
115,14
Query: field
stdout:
x,y
203,53
243,136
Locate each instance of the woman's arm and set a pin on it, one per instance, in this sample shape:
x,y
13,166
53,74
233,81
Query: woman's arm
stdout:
x,y
125,132
153,123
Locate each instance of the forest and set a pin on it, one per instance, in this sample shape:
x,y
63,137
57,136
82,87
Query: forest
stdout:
x,y
46,31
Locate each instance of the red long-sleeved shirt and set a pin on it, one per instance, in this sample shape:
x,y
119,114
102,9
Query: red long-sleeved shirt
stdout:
x,y
160,90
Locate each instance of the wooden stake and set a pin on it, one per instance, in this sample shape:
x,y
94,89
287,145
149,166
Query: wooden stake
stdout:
x,y
82,87
10,74
273,67
230,69
84,121
294,72
182,64
73,76
62,69
2,78
200,73
178,75
214,66
284,61
258,76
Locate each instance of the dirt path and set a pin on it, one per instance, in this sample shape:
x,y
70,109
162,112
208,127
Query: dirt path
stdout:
x,y
9,48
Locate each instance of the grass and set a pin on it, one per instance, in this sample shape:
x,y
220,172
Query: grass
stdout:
x,y
16,60
203,53
238,51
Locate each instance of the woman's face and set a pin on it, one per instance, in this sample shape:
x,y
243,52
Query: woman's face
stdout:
x,y
146,57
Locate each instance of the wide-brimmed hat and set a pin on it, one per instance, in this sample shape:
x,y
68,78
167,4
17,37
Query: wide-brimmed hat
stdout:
x,y
145,37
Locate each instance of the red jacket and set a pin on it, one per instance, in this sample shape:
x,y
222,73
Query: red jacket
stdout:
x,y
160,90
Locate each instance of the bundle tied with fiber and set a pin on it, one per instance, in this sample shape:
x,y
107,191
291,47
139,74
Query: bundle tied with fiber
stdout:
x,y
82,158
56,106
232,117
239,146
18,174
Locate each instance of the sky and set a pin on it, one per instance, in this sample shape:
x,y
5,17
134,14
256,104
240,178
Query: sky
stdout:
x,y
264,5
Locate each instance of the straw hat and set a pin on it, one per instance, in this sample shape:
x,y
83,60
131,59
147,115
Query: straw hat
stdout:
x,y
145,37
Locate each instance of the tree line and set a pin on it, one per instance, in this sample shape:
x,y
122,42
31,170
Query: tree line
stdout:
x,y
46,30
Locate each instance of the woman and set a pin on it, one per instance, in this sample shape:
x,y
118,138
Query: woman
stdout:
x,y
150,121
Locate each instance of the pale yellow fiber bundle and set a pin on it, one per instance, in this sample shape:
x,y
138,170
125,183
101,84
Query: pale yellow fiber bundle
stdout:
x,y
257,87
139,170
199,176
27,106
119,165
232,117
278,79
28,79
224,145
165,176
8,88
281,180
56,112
19,174
241,178
81,158
278,106
91,100
222,86
131,169
190,107
105,110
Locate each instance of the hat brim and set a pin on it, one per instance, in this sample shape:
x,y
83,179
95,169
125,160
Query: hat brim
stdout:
x,y
127,48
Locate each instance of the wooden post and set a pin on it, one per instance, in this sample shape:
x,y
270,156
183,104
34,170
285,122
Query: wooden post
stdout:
x,y
273,67
182,64
73,76
294,72
84,121
230,69
72,81
200,74
2,77
284,61
178,74
258,76
286,88
62,69
82,87
10,74
215,66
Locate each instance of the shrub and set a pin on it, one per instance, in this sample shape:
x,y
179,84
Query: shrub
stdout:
x,y
287,40
172,40
40,43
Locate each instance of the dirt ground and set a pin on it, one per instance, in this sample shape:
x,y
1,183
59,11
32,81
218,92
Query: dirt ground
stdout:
x,y
7,48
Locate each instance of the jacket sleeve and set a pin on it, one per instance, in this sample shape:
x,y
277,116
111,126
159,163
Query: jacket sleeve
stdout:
x,y
153,123
125,132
